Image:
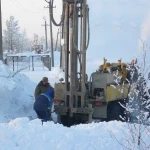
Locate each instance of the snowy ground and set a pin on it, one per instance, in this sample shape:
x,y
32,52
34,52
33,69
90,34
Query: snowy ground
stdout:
x,y
22,134
25,134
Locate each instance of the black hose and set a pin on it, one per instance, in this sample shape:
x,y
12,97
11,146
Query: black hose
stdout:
x,y
51,13
74,16
88,21
90,84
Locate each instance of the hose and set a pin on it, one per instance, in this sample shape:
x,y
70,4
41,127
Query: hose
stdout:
x,y
90,84
74,17
88,21
51,13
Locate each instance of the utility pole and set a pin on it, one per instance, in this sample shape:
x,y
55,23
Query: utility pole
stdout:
x,y
51,34
1,47
45,33
56,40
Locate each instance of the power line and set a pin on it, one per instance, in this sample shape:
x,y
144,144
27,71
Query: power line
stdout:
x,y
34,4
17,4
30,3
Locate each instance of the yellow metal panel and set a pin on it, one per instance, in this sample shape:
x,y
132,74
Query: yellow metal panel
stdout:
x,y
116,92
59,91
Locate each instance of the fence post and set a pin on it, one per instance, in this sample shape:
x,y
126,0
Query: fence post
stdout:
x,y
29,62
13,63
17,62
49,63
32,63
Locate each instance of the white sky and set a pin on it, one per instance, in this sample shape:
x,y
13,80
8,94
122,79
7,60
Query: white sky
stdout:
x,y
29,13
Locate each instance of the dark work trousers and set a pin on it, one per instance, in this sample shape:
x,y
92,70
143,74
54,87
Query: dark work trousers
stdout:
x,y
43,115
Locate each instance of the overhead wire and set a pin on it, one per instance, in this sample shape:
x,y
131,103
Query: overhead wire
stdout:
x,y
17,4
34,4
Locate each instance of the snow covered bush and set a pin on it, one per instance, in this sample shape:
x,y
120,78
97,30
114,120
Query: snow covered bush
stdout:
x,y
137,105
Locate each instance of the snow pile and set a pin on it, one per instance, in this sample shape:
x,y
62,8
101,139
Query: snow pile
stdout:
x,y
31,135
16,92
57,74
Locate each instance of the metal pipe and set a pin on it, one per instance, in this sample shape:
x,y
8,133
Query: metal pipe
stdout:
x,y
76,42
73,53
72,61
63,51
84,53
81,22
60,36
76,58
66,45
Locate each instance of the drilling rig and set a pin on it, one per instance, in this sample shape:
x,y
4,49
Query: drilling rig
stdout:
x,y
78,100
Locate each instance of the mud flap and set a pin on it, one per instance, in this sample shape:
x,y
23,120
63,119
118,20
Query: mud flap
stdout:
x,y
100,111
90,114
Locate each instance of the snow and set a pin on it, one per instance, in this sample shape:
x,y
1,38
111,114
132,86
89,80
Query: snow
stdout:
x,y
17,90
113,86
23,134
27,54
16,95
37,75
21,130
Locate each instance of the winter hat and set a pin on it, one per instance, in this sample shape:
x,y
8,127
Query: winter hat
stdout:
x,y
44,79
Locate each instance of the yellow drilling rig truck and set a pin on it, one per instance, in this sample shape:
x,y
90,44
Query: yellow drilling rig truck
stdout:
x,y
78,100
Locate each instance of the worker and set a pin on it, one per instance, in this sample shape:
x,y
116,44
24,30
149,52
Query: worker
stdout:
x,y
43,104
42,87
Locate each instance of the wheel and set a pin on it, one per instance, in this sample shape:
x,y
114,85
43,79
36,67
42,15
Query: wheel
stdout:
x,y
59,119
65,120
113,111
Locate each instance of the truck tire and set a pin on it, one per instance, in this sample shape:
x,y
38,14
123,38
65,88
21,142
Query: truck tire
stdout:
x,y
59,119
65,120
113,111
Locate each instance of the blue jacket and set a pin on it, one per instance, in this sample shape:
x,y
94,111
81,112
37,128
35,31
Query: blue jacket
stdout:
x,y
44,101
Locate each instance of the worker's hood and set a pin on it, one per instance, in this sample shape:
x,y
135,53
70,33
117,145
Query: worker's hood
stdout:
x,y
50,93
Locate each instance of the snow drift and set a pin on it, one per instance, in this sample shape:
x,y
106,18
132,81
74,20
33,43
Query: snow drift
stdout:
x,y
17,90
16,95
22,134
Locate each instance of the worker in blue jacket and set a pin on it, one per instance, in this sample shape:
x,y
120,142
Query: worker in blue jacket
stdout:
x,y
43,104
